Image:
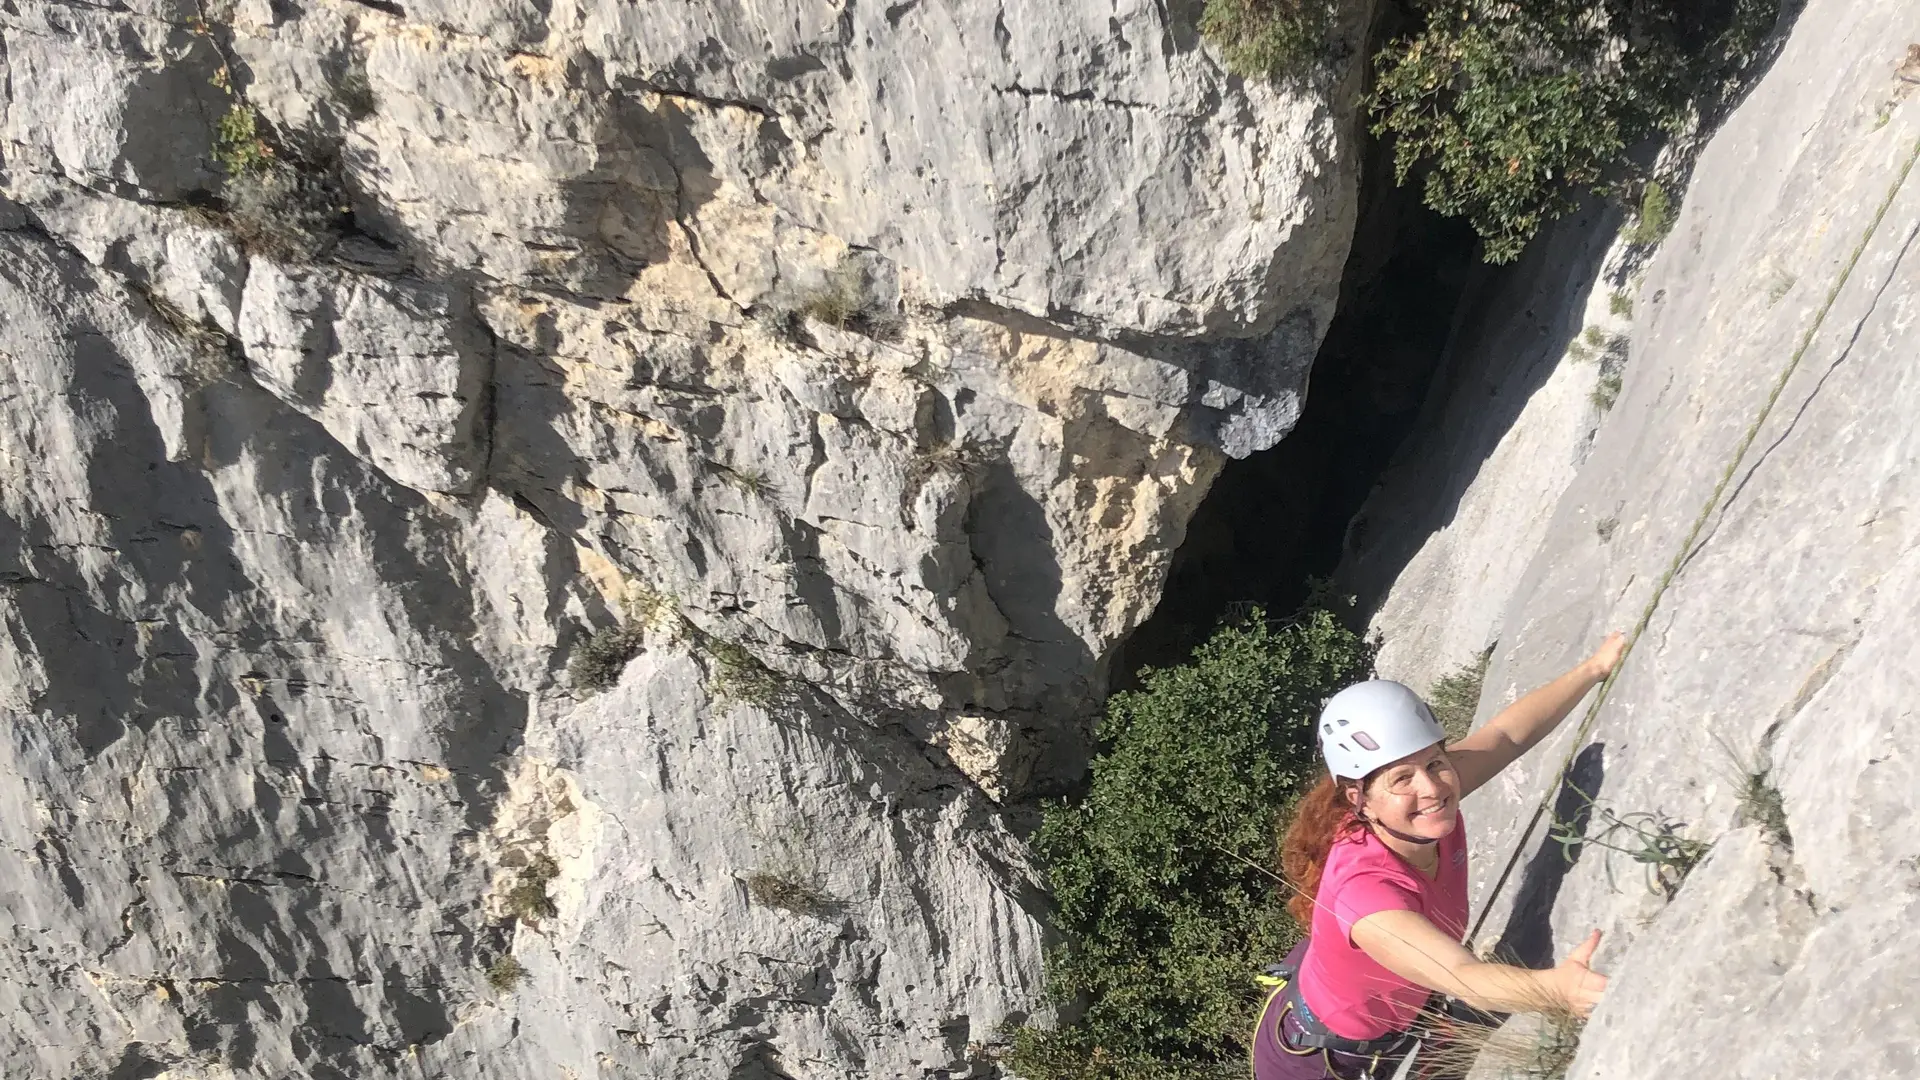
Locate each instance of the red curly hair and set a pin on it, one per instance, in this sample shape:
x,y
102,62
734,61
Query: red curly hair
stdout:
x,y
1322,816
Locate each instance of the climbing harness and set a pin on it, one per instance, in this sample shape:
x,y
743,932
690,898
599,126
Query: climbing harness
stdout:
x,y
1687,547
1284,992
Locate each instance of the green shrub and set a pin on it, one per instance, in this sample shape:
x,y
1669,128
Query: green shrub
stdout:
x,y
528,900
1606,388
1268,38
1656,216
288,209
1159,873
1511,110
353,91
597,662
739,676
238,144
505,973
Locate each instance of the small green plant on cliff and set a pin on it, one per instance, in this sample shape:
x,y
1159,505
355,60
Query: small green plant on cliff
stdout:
x,y
1268,38
739,676
1650,839
1755,792
353,91
238,145
1606,388
847,298
528,899
1456,696
597,662
1656,216
279,203
1160,872
505,974
1508,112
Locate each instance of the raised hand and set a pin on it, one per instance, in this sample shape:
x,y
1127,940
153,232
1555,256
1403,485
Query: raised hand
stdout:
x,y
1579,986
1607,656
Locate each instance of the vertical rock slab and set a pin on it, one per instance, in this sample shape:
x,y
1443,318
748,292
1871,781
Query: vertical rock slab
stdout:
x,y
1769,621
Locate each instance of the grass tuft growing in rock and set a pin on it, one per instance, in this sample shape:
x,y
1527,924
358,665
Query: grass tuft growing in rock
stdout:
x,y
1606,388
848,298
528,900
505,974
739,676
1656,216
1537,1045
1455,696
1650,839
789,890
1756,794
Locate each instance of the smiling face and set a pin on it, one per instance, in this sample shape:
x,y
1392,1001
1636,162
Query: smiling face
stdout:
x,y
1416,796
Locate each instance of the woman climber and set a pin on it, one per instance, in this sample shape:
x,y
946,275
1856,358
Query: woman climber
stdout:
x,y
1378,857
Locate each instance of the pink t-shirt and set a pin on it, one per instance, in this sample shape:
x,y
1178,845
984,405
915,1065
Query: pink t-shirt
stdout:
x,y
1352,995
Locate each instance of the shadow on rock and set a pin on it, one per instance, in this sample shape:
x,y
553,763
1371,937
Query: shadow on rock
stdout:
x,y
1528,940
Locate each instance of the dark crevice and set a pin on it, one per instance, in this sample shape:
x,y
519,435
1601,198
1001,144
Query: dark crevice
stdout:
x,y
1276,519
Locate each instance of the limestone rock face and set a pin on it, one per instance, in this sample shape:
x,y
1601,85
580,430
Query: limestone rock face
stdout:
x,y
1776,634
855,367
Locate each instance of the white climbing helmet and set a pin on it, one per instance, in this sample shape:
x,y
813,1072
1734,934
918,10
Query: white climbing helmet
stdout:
x,y
1373,723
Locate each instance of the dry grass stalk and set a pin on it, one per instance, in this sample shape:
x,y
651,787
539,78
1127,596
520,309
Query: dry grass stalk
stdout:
x,y
1537,1046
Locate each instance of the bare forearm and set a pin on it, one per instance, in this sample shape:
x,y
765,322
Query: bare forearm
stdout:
x,y
1503,988
1527,721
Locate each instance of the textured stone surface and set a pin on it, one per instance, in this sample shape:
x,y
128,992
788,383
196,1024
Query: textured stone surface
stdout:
x,y
1783,641
294,557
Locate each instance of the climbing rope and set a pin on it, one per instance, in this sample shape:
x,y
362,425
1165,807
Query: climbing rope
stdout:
x,y
1687,548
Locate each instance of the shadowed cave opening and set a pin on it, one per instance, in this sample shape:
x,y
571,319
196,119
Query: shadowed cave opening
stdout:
x,y
1276,520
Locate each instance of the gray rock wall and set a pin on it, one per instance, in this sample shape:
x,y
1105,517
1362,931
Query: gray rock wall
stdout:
x,y
1780,642
293,554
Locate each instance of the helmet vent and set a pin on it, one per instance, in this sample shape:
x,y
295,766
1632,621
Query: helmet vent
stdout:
x,y
1365,740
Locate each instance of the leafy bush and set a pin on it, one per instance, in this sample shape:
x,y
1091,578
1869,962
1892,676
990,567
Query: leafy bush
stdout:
x,y
597,662
505,973
238,144
1512,109
1159,872
289,210
1271,38
528,900
282,205
739,676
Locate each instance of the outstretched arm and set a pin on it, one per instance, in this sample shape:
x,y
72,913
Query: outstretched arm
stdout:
x,y
1405,943
1515,729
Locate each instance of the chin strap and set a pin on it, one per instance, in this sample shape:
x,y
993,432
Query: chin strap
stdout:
x,y
1400,836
